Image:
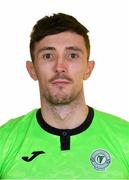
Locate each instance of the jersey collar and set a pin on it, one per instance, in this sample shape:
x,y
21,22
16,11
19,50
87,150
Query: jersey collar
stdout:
x,y
85,125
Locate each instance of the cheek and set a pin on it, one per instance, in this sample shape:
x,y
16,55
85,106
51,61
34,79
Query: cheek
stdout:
x,y
41,74
78,79
79,73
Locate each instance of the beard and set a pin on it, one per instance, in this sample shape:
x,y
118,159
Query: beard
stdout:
x,y
60,97
59,100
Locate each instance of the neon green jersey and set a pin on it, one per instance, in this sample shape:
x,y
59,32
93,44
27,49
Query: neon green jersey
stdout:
x,y
97,149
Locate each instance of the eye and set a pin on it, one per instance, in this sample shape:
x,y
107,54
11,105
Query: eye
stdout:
x,y
73,56
48,56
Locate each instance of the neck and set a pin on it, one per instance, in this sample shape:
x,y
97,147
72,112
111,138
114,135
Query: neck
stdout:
x,y
67,116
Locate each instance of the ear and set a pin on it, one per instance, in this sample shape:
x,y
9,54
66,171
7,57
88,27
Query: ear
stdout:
x,y
89,69
31,70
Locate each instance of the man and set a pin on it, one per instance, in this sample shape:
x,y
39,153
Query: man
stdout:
x,y
65,139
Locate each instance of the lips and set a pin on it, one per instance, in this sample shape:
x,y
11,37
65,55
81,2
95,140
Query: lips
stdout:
x,y
60,81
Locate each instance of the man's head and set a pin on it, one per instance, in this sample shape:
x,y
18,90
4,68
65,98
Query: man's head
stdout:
x,y
60,51
55,24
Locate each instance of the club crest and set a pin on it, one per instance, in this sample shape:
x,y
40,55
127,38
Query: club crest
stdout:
x,y
100,159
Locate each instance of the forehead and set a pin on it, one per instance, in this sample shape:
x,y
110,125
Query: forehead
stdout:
x,y
61,40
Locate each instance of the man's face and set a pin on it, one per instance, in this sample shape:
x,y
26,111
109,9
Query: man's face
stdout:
x,y
60,65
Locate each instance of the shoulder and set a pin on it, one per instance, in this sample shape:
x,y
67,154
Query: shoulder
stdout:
x,y
111,122
113,130
12,135
109,117
17,122
14,131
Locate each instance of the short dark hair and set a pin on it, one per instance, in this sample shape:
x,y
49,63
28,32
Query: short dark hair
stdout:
x,y
55,24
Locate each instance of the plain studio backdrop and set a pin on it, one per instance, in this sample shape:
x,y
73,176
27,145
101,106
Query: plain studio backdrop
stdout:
x,y
108,23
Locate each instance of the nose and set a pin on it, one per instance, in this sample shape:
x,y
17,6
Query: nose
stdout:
x,y
61,65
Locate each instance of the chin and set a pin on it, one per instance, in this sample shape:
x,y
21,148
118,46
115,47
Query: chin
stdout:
x,y
58,100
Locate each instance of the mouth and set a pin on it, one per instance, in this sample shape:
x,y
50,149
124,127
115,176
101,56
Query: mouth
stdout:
x,y
60,81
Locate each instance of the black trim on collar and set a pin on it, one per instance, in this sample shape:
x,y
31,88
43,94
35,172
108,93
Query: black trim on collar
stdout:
x,y
85,125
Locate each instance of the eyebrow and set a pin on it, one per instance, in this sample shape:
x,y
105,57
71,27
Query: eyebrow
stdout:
x,y
74,48
46,48
67,48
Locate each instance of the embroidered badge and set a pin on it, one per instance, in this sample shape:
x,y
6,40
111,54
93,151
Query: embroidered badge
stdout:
x,y
100,159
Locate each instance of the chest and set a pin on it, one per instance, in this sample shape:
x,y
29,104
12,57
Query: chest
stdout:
x,y
85,158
